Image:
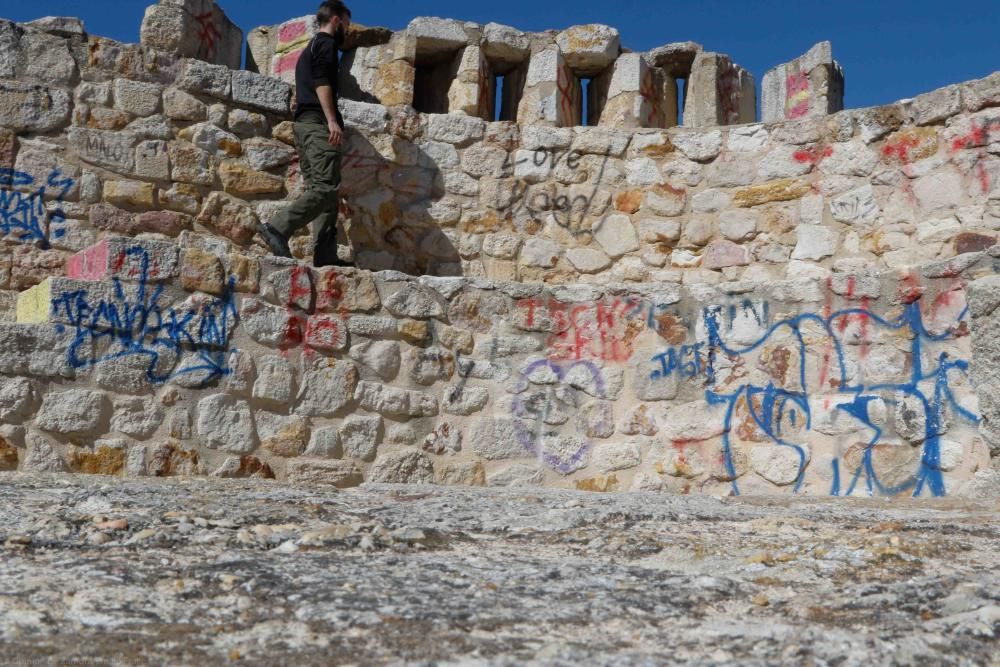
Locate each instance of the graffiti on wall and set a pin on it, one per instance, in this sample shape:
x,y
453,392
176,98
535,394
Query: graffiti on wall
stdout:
x,y
573,211
797,95
133,322
208,35
813,353
23,214
539,413
730,94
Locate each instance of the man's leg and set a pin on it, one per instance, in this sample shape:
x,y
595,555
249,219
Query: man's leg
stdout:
x,y
324,227
319,162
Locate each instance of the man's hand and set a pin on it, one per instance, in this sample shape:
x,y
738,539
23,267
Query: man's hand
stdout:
x,y
336,134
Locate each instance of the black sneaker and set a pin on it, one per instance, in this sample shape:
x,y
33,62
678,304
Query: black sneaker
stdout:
x,y
275,241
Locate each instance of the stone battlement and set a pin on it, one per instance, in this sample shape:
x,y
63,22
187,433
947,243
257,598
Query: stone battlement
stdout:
x,y
723,305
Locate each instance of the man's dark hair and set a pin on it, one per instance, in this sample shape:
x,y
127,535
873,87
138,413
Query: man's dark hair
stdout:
x,y
329,9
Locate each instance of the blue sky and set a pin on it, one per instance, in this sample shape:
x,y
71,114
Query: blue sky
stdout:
x,y
890,49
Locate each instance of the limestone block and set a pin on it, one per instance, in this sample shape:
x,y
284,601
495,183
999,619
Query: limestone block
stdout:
x,y
46,59
75,412
243,181
133,195
195,29
229,217
339,474
589,49
812,85
262,92
402,467
360,436
205,79
137,417
33,108
719,92
464,400
111,150
246,124
285,436
469,92
455,129
380,358
152,160
125,259
136,97
617,235
611,457
505,45
41,457
16,398
227,424
436,35
327,388
394,402
676,58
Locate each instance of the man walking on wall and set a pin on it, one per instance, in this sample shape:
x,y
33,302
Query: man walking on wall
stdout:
x,y
319,135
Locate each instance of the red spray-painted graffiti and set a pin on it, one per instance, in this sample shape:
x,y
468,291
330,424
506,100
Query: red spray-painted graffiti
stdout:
x,y
567,106
797,95
208,34
648,92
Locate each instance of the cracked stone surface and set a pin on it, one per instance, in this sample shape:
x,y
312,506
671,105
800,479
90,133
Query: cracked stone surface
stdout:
x,y
194,572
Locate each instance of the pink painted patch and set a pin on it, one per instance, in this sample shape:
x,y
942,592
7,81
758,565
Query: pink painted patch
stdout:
x,y
286,63
291,31
90,263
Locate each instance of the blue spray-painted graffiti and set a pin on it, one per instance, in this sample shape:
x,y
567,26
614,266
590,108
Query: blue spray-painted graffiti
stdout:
x,y
778,411
23,214
135,324
533,439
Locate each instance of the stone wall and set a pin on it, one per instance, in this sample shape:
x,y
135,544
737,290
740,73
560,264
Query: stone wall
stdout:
x,y
156,358
721,307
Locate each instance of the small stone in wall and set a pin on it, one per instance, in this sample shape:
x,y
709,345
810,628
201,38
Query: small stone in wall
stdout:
x,y
720,254
432,365
402,467
227,424
137,417
202,272
612,457
445,439
16,397
242,467
360,436
327,388
242,181
396,402
168,459
461,474
321,472
41,457
275,380
779,465
106,458
73,412
464,400
639,421
617,236
282,436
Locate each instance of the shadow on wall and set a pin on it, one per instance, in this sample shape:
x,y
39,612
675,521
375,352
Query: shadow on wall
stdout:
x,y
385,209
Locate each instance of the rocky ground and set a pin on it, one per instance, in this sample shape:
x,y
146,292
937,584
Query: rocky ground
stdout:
x,y
192,572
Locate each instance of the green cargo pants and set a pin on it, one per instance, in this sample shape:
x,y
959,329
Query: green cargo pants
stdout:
x,y
320,166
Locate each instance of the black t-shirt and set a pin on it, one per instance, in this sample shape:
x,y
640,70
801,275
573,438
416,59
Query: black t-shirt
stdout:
x,y
318,66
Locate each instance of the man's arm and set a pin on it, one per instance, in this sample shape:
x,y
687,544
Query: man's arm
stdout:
x,y
323,60
325,95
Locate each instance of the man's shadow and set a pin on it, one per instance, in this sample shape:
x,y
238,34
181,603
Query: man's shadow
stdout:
x,y
385,209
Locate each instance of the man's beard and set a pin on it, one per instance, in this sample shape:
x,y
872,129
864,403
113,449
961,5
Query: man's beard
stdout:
x,y
339,36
